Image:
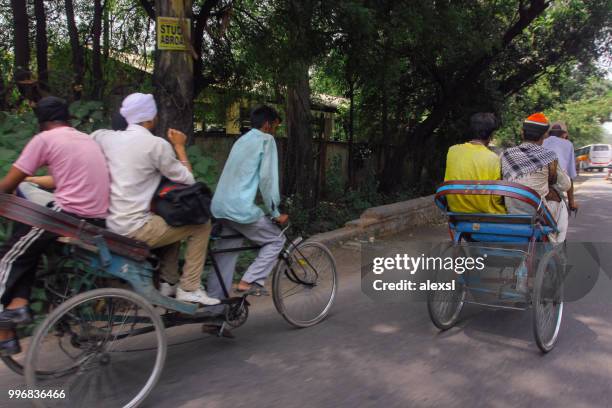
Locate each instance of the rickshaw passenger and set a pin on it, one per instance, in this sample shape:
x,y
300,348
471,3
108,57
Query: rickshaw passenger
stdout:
x,y
66,152
137,160
475,161
533,166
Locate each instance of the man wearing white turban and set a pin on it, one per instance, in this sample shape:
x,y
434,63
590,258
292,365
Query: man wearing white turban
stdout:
x,y
138,108
137,160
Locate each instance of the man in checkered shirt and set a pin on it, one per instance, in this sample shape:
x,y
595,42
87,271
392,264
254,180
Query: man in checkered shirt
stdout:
x,y
533,166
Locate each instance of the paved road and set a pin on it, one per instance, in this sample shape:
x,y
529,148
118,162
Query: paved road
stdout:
x,y
371,354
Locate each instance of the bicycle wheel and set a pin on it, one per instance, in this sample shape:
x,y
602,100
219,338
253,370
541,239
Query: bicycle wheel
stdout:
x,y
304,284
444,306
547,302
105,348
56,284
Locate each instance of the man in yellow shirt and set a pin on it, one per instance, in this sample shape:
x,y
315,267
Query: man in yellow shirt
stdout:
x,y
474,161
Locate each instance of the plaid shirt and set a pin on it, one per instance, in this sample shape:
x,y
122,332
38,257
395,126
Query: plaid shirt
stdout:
x,y
524,159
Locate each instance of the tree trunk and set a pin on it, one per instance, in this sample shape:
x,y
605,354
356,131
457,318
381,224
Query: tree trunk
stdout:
x,y
351,132
391,178
42,45
96,60
173,77
106,30
77,51
197,33
21,40
299,159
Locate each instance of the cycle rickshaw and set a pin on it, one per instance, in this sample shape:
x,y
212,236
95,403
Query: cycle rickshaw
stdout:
x,y
516,250
106,346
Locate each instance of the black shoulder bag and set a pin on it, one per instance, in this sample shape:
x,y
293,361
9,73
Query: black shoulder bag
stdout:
x,y
181,205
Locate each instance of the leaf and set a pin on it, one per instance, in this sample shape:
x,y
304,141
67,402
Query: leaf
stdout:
x,y
38,294
93,105
75,107
97,115
200,169
7,154
195,150
37,307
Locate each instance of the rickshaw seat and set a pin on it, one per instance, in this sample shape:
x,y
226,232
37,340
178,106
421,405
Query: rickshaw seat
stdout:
x,y
70,229
497,227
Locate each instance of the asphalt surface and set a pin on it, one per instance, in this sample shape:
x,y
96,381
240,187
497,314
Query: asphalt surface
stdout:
x,y
372,354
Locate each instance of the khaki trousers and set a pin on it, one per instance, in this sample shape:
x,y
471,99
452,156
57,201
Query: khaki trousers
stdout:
x,y
157,234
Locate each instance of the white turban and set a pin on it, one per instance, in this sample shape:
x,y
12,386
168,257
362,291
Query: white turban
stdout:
x,y
138,108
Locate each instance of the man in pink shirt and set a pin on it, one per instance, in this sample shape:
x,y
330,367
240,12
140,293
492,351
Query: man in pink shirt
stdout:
x,y
82,188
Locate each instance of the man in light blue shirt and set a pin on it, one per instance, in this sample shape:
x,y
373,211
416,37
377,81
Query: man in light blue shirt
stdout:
x,y
558,142
252,165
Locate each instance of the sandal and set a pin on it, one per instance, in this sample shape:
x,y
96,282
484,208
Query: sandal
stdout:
x,y
255,289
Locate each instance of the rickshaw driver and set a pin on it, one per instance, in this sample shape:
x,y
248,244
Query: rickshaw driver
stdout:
x,y
558,142
252,165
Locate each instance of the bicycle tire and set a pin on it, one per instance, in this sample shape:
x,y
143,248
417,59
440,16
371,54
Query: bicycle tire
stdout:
x,y
65,308
547,303
280,273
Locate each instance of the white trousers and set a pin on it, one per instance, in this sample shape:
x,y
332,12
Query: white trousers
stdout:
x,y
561,216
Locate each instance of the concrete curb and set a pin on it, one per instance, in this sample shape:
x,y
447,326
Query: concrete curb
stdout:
x,y
390,219
385,220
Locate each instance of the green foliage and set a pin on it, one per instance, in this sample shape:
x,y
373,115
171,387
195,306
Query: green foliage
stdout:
x,y
204,167
5,230
88,116
583,103
15,131
340,206
584,118
334,179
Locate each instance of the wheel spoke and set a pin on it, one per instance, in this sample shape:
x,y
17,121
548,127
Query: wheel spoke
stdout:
x,y
305,287
86,360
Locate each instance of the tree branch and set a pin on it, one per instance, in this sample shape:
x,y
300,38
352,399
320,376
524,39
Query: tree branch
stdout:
x,y
197,38
205,10
149,8
526,16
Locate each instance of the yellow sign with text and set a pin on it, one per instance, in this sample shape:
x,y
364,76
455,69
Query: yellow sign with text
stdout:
x,y
170,33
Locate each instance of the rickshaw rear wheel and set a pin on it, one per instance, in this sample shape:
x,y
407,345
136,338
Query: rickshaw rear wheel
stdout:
x,y
548,302
444,306
59,282
102,345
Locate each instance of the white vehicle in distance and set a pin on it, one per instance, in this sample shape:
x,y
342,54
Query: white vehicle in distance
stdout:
x,y
595,156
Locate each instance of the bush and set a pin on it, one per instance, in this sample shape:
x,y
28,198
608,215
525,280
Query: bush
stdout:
x,y
204,167
15,132
340,205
